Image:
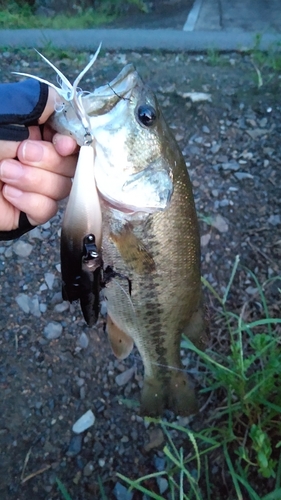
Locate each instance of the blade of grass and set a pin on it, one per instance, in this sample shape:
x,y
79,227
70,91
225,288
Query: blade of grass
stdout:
x,y
262,296
232,472
274,495
212,290
186,343
260,322
252,493
63,489
233,272
139,487
102,492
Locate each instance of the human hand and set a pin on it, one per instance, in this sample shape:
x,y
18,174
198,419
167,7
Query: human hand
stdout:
x,y
35,174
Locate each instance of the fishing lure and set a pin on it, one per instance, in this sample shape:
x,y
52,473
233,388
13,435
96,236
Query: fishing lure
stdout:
x,y
81,234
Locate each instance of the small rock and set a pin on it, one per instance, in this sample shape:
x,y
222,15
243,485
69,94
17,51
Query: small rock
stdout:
x,y
220,223
243,175
22,249
75,446
52,330
84,422
43,307
230,165
43,287
225,203
196,96
9,252
205,238
101,462
257,133
124,377
179,137
49,278
57,298
156,438
215,148
198,140
160,463
88,469
24,302
35,234
83,341
250,290
274,220
162,484
62,307
122,493
82,392
35,307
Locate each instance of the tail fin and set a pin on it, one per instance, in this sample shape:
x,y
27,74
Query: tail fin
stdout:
x,y
173,391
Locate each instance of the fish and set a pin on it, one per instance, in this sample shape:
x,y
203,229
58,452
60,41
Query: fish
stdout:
x,y
151,276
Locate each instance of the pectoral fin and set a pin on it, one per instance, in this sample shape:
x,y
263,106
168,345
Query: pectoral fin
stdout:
x,y
132,250
197,330
120,342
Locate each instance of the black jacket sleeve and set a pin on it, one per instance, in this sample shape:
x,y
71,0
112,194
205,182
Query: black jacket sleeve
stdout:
x,y
21,104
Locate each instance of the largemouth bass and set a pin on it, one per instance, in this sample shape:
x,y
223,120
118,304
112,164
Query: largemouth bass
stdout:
x,y
150,237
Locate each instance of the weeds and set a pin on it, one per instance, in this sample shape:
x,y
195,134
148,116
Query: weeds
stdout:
x,y
14,15
240,444
23,17
265,63
213,57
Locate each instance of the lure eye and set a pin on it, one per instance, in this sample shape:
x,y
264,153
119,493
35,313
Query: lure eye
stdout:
x,y
146,115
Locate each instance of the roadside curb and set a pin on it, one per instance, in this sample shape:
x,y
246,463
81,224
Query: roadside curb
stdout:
x,y
136,39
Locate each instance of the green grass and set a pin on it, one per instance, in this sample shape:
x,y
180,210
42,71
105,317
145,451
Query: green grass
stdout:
x,y
243,431
20,17
213,57
15,15
266,63
241,435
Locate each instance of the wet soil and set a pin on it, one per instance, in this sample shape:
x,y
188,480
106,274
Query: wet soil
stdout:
x,y
231,143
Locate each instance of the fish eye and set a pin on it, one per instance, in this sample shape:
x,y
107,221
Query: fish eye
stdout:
x,y
146,115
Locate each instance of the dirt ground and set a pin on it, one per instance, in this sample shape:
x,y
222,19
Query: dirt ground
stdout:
x,y
231,143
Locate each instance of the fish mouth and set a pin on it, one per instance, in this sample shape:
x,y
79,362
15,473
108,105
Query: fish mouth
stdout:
x,y
104,98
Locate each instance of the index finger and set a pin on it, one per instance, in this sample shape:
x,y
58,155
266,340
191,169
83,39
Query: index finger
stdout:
x,y
9,149
43,155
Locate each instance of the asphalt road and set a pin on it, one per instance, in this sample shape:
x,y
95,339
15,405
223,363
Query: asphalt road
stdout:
x,y
180,25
